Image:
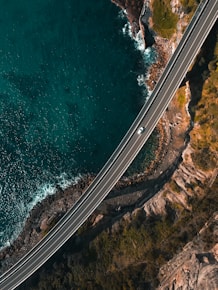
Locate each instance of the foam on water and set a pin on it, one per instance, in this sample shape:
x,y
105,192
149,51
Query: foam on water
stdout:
x,y
127,30
138,39
139,42
122,14
141,80
39,195
148,55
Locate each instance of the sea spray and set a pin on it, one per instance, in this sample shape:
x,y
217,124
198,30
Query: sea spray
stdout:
x,y
149,55
22,209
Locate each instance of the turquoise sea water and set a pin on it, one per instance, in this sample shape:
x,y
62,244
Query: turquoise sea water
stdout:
x,y
68,93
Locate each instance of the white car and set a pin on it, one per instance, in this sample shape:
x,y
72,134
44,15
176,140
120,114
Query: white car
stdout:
x,y
140,130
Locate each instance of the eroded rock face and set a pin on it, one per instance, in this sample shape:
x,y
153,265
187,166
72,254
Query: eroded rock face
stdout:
x,y
196,267
138,15
133,11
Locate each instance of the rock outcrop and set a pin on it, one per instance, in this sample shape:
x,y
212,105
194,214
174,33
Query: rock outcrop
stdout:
x,y
133,11
138,14
196,266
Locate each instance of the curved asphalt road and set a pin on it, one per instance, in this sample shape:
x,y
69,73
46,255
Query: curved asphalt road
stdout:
x,y
131,144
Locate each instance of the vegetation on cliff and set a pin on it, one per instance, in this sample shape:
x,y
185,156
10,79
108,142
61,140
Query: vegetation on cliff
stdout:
x,y
128,255
204,135
164,19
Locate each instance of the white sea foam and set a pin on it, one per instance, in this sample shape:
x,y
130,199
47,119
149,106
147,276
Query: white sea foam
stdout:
x,y
141,80
149,92
50,188
148,55
42,193
64,182
139,42
22,210
138,39
127,30
122,13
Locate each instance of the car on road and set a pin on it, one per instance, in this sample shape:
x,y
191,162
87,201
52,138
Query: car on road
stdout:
x,y
140,130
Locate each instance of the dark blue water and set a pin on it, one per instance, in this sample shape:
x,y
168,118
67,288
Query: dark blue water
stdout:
x,y
68,93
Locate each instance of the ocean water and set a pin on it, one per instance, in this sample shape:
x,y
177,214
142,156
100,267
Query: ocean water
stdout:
x,y
70,86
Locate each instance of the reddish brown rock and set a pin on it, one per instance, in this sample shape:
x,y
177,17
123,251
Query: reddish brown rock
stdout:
x,y
133,10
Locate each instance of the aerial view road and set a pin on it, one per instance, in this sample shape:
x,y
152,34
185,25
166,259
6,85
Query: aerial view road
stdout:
x,y
125,153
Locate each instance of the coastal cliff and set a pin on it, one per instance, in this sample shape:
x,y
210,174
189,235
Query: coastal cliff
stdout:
x,y
196,266
132,10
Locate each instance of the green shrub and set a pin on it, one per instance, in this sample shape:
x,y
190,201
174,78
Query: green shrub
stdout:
x,y
204,159
164,19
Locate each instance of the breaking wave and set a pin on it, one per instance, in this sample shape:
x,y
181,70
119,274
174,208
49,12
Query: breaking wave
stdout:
x,y
148,55
21,208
